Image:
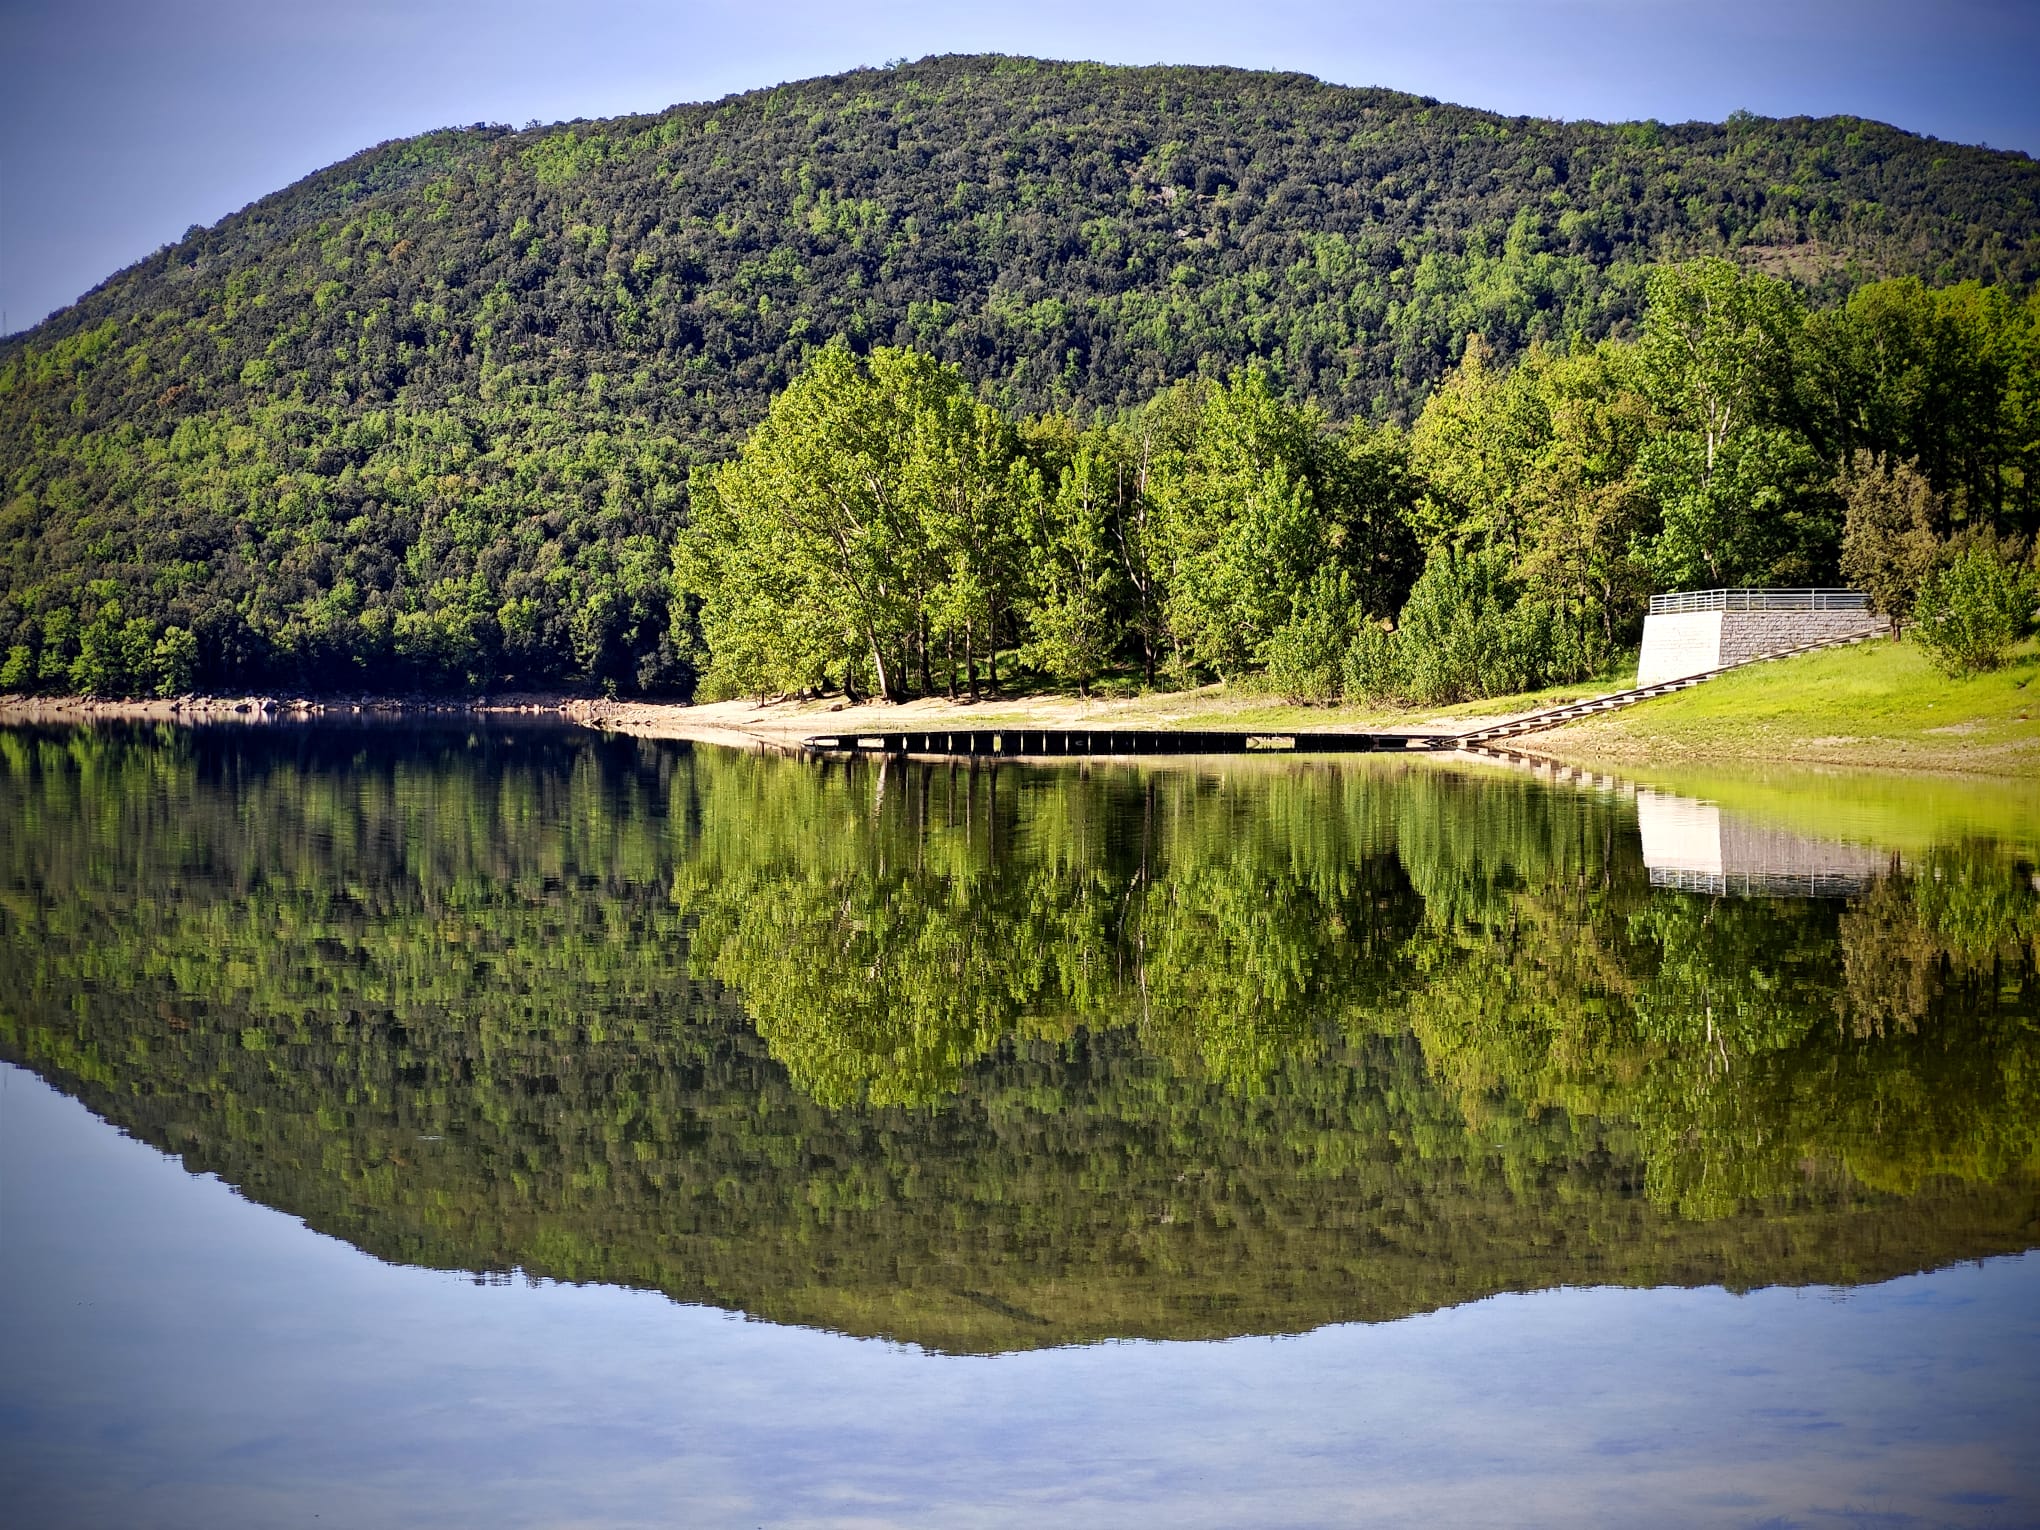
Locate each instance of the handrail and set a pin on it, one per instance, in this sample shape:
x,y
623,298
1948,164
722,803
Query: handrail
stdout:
x,y
1758,600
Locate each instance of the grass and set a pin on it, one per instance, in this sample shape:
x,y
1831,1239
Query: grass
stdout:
x,y
1878,704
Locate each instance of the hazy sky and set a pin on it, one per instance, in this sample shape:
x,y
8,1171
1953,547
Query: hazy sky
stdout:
x,y
122,122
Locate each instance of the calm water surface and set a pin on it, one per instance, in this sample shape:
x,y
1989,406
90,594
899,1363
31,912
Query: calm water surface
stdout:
x,y
413,1126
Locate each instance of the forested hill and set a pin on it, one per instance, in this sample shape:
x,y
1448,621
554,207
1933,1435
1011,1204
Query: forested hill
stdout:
x,y
438,401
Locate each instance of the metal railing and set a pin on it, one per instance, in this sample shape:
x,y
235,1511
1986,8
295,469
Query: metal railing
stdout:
x,y
1764,884
1758,600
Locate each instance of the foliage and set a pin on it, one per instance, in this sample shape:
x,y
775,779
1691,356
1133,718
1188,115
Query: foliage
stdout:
x,y
1717,354
427,418
1936,377
1306,655
1373,668
871,517
1078,610
1469,630
1972,609
1892,534
881,525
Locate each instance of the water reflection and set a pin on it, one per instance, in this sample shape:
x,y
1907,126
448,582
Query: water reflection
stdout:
x,y
1694,846
993,1059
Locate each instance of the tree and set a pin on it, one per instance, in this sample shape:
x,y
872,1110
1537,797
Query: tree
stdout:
x,y
1074,609
971,488
875,512
1470,445
1892,533
1739,484
175,661
1943,378
1252,495
1972,610
804,549
1588,509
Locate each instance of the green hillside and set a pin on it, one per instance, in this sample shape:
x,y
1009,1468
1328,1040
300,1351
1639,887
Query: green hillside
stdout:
x,y
426,417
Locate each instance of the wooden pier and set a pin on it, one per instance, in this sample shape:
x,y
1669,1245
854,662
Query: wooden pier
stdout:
x,y
1062,743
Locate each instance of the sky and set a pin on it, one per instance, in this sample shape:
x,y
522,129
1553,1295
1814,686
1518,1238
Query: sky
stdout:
x,y
124,122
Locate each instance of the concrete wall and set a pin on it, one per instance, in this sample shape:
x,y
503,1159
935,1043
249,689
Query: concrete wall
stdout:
x,y
1691,642
1679,645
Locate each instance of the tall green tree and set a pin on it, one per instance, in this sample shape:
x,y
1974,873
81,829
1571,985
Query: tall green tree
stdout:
x,y
1892,535
871,514
1947,379
1740,488
1255,498
1076,612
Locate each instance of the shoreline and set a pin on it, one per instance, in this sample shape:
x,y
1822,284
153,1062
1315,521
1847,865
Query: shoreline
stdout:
x,y
765,722
782,725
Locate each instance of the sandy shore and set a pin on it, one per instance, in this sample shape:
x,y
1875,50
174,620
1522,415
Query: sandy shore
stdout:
x,y
778,724
1599,743
788,722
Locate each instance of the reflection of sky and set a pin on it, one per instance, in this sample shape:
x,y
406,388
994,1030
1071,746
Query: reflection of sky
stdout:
x,y
178,1356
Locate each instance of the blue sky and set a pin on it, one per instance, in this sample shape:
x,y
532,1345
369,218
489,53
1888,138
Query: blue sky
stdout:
x,y
122,122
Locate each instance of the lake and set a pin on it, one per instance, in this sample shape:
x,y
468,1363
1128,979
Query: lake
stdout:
x,y
427,1124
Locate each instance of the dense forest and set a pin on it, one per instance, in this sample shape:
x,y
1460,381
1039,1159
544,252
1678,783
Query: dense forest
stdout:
x,y
885,530
428,417
1003,1058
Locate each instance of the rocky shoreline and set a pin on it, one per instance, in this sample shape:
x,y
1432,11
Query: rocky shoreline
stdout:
x,y
265,709
644,719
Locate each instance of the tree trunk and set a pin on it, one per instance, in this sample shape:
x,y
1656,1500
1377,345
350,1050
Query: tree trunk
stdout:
x,y
885,688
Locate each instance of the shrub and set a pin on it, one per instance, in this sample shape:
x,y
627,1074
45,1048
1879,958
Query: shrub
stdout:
x,y
1304,656
1372,669
1449,625
175,661
1974,608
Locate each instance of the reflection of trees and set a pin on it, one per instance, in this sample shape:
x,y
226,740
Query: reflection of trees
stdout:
x,y
889,927
1037,1056
1239,920
1752,1042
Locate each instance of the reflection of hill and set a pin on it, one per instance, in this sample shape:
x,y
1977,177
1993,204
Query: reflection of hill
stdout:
x,y
1114,1054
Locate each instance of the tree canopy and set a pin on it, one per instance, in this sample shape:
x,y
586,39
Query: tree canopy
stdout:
x,y
881,518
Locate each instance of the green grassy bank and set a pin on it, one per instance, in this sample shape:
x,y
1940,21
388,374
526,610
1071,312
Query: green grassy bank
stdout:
x,y
1880,704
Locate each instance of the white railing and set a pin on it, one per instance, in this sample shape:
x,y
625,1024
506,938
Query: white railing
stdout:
x,y
1758,600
